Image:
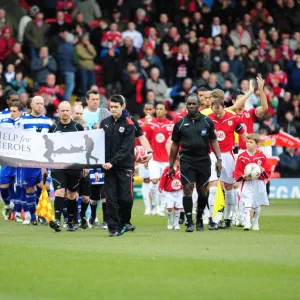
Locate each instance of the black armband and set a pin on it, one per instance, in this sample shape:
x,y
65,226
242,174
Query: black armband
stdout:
x,y
236,150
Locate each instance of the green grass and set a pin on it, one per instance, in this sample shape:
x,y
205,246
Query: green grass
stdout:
x,y
154,263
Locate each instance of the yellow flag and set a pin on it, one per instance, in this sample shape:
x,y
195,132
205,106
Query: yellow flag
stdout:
x,y
44,208
219,200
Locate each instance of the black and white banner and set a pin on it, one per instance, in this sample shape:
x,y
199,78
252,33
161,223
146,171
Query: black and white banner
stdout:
x,y
72,150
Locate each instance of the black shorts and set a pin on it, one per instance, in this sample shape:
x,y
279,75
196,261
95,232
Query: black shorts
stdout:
x,y
195,172
66,179
97,192
84,186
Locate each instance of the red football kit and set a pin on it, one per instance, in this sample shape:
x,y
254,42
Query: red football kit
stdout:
x,y
170,184
245,159
225,128
247,117
158,132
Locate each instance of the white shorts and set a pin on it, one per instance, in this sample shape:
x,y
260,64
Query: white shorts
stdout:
x,y
143,171
173,199
228,165
156,168
213,174
254,194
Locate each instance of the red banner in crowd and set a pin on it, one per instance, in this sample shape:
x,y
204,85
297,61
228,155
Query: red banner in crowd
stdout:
x,y
281,139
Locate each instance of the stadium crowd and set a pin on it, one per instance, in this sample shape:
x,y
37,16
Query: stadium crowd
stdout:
x,y
156,53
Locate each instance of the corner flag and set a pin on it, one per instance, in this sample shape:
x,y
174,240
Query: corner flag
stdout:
x,y
44,208
219,200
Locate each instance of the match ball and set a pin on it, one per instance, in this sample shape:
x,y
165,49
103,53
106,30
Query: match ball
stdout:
x,y
252,170
139,153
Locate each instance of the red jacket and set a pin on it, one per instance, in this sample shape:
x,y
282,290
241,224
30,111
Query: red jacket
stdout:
x,y
6,46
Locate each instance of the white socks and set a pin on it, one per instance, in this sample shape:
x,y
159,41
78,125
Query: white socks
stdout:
x,y
229,201
154,193
256,214
176,217
146,195
247,221
211,201
170,218
194,197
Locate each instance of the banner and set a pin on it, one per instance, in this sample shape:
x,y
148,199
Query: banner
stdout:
x,y
285,188
281,139
72,150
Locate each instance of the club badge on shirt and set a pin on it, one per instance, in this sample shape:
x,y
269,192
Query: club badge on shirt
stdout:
x,y
121,129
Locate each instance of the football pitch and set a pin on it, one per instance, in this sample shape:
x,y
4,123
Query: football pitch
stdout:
x,y
154,263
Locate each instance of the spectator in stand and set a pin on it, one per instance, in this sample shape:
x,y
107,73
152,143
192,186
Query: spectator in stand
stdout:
x,y
112,37
184,27
6,43
182,63
294,74
236,66
86,54
180,91
67,7
80,26
4,22
289,163
273,58
290,125
277,74
274,38
25,20
285,52
296,107
59,25
89,9
272,100
36,34
112,72
152,38
163,26
97,34
66,63
198,24
294,41
262,43
203,80
241,9
212,82
259,14
116,18
192,42
285,104
215,28
224,74
135,35
154,60
172,38
103,99
249,26
292,12
145,68
167,61
252,100
204,61
52,90
251,63
157,85
128,53
42,66
18,59
133,90
141,21
226,40
223,9
10,74
19,84
217,53
239,37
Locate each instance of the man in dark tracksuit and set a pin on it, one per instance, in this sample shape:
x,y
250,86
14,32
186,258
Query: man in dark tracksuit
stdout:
x,y
118,167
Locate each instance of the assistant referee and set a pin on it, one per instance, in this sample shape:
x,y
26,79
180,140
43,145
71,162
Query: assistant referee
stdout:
x,y
65,179
195,133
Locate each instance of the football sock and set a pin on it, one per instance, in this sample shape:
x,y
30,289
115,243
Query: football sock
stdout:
x,y
93,210
195,196
5,195
211,200
84,207
146,195
71,209
202,203
256,214
104,211
31,203
188,208
154,193
181,216
58,207
170,217
229,203
247,216
23,200
176,216
65,209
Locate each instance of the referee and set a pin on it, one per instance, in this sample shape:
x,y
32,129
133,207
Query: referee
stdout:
x,y
118,167
195,133
65,179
